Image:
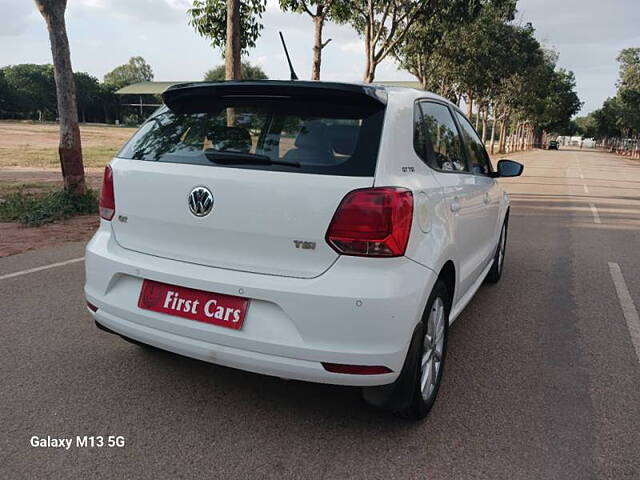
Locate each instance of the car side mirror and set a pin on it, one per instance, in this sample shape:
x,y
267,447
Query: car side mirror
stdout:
x,y
509,168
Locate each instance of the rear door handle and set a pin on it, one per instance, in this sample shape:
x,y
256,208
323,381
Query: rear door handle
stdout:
x,y
455,205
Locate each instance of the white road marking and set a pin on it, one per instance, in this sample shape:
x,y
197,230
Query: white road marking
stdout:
x,y
628,308
39,269
586,189
594,212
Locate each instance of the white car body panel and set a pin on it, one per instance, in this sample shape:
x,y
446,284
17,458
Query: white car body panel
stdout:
x,y
306,306
255,218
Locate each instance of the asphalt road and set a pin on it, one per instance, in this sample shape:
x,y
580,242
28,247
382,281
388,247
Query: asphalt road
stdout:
x,y
542,379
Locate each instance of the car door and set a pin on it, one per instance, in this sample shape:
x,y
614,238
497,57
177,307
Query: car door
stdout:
x,y
445,153
487,230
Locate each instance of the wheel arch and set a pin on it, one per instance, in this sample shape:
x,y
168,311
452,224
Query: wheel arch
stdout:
x,y
448,276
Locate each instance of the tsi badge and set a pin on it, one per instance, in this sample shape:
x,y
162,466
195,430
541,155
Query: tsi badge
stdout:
x,y
200,201
304,245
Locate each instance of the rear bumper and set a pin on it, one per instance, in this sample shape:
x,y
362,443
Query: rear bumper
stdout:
x,y
360,312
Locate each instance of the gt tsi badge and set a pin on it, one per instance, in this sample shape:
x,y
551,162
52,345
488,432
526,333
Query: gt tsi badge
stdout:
x,y
200,201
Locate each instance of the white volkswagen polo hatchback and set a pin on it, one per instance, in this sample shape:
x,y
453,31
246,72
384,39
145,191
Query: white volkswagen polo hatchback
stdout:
x,y
316,231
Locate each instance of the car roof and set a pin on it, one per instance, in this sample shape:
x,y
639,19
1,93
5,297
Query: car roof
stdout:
x,y
413,94
379,92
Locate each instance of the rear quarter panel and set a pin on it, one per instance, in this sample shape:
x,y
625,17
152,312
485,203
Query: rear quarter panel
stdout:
x,y
430,242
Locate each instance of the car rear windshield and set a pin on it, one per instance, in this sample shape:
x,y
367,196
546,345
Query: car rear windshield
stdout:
x,y
265,134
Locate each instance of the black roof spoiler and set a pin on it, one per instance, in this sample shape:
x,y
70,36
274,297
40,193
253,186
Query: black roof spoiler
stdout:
x,y
183,94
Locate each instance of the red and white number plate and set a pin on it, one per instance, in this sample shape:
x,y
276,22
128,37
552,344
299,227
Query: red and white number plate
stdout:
x,y
216,308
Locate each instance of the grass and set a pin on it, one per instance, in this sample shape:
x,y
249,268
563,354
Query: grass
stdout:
x,y
47,157
7,188
35,209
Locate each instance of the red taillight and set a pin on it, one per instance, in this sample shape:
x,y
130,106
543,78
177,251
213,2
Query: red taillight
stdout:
x,y
372,222
107,198
92,307
355,369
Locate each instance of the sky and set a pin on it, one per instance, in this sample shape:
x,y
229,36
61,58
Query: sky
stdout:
x,y
588,35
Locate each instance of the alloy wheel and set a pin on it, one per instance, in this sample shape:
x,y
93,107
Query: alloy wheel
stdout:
x,y
433,348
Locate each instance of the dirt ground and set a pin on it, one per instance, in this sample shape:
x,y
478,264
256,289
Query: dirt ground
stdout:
x,y
29,162
16,238
32,144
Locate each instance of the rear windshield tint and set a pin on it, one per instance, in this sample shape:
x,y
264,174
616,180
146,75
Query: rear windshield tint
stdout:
x,y
282,135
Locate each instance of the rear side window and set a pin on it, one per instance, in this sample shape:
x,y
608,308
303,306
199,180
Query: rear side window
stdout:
x,y
436,138
478,157
265,135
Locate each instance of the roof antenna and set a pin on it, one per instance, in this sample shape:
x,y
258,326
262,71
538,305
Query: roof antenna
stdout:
x,y
286,52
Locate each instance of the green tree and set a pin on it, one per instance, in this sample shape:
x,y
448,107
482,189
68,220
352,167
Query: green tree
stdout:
x,y
461,48
429,43
559,105
320,11
7,97
249,72
629,90
219,19
609,119
134,71
629,60
619,117
384,24
109,102
88,93
34,90
587,126
520,82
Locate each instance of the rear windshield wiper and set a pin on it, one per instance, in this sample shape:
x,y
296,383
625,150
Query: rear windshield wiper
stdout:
x,y
225,157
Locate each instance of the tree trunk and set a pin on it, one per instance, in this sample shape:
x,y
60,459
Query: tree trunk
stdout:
x,y
368,50
507,138
493,133
70,147
318,21
519,136
369,68
469,105
513,137
232,55
485,119
503,133
232,49
370,74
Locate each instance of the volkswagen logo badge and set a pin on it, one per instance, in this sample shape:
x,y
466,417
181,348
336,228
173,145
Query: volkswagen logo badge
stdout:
x,y
200,201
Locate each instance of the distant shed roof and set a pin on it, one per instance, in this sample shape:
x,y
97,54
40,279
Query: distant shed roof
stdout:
x,y
157,88
146,88
406,84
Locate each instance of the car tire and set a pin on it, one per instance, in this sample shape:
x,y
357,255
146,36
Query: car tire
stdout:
x,y
495,274
413,394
